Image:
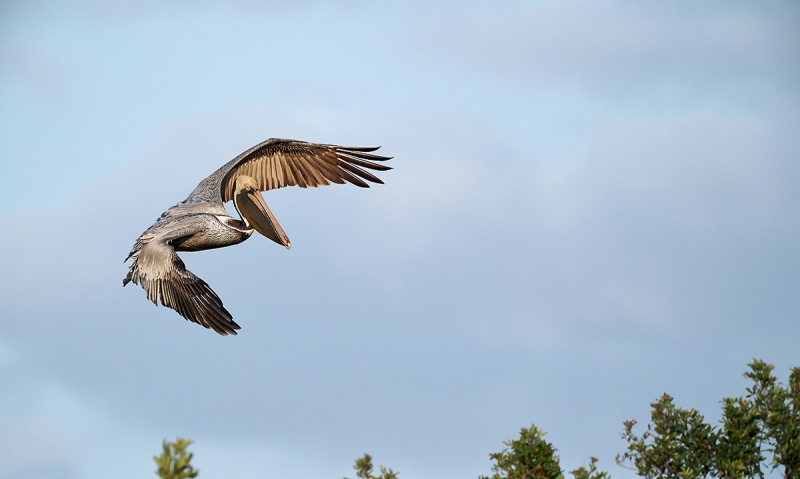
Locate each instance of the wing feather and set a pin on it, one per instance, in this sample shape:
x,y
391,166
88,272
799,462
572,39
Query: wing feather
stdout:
x,y
313,172
329,169
270,172
358,171
364,156
290,174
158,269
279,177
366,164
277,163
353,179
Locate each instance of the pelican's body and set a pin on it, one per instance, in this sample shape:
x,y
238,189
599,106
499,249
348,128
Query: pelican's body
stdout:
x,y
216,231
201,222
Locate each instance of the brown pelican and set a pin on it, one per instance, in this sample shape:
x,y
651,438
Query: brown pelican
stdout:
x,y
201,222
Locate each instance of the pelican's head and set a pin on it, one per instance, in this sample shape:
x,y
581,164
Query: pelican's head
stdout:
x,y
254,211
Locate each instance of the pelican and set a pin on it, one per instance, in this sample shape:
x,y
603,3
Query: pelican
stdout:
x,y
200,222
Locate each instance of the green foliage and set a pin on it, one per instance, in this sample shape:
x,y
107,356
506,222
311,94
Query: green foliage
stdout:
x,y
738,447
174,461
363,467
679,444
591,473
529,457
775,409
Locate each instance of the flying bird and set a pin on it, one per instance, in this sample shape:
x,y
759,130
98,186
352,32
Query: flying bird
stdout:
x,y
200,222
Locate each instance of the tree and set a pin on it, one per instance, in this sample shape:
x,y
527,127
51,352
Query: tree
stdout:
x,y
174,461
529,457
591,473
775,410
679,444
363,467
532,457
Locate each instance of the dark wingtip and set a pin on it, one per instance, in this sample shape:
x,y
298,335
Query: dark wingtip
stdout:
x,y
233,327
359,148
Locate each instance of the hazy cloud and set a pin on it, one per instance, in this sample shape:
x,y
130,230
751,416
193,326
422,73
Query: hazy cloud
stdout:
x,y
622,46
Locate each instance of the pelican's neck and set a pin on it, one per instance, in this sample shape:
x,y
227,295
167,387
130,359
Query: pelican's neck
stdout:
x,y
236,205
235,224
248,228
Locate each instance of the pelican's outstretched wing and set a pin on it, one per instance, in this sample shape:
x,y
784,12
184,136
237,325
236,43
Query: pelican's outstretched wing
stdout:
x,y
276,163
163,276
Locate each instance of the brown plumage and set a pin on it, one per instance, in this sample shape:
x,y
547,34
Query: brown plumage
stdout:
x,y
201,222
275,164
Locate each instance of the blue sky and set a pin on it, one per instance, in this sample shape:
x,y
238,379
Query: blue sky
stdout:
x,y
592,204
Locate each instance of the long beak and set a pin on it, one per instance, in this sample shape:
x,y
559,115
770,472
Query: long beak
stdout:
x,y
255,211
